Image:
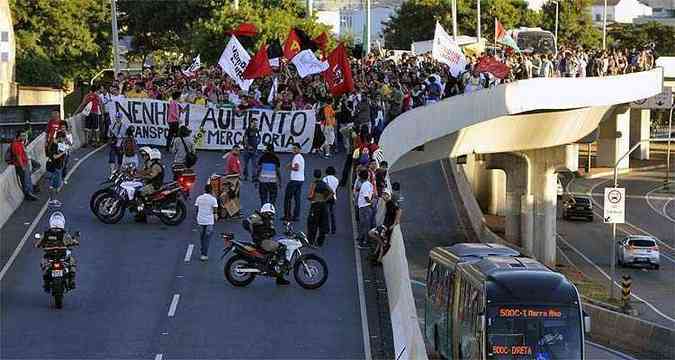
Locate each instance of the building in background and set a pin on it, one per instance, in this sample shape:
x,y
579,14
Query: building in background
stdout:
x,y
350,22
663,11
619,11
8,89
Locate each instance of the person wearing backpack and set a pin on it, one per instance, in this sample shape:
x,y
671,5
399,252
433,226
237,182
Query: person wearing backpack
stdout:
x,y
317,219
128,147
183,148
16,155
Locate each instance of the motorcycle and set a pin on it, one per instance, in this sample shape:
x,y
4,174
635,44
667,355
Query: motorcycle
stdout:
x,y
248,261
108,186
166,203
57,273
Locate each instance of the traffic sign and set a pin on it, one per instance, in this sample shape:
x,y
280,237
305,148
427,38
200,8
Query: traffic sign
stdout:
x,y
615,206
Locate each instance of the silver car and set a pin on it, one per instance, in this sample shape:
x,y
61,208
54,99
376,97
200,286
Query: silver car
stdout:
x,y
638,250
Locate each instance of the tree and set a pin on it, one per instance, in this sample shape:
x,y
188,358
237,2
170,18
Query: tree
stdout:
x,y
575,25
415,20
637,36
274,19
60,41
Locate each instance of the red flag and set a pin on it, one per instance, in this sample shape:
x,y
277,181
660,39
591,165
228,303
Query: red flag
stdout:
x,y
493,66
339,74
292,45
500,32
259,66
321,40
244,29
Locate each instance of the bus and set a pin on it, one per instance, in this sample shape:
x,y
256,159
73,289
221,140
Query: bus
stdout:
x,y
535,40
485,301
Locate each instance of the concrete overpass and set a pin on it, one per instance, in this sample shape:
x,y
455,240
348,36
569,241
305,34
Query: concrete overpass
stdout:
x,y
528,129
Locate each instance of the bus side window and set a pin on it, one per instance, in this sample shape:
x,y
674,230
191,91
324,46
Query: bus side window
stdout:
x,y
431,279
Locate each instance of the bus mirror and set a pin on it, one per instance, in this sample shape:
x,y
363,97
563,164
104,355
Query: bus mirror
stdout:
x,y
587,323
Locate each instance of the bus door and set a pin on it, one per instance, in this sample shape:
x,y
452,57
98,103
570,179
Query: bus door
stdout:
x,y
437,302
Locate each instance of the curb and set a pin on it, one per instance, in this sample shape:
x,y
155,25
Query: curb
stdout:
x,y
623,171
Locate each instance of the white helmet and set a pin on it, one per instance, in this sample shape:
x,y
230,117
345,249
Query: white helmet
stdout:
x,y
268,208
145,150
57,220
155,154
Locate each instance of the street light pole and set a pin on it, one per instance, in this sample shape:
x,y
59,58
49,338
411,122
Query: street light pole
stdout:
x,y
478,21
604,26
368,25
236,4
310,6
556,26
115,39
454,20
670,138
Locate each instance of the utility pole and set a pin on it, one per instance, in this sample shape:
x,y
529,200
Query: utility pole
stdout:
x,y
454,21
115,39
310,8
478,21
236,4
368,25
604,26
670,138
556,27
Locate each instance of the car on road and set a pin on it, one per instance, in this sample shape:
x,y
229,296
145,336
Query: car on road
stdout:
x,y
638,250
578,207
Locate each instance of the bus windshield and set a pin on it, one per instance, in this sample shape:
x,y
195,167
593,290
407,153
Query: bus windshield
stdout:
x,y
536,41
533,332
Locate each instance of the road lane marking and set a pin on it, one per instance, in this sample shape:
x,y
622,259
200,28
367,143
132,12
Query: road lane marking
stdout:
x,y
611,351
174,305
38,217
599,269
159,356
188,253
662,212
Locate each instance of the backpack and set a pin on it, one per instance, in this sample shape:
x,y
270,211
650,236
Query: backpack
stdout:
x,y
9,156
190,156
128,147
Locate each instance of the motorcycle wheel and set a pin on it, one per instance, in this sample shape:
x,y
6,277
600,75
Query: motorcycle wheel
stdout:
x,y
95,197
310,271
175,219
57,293
109,209
233,276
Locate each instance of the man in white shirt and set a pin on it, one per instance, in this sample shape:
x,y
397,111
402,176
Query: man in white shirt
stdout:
x,y
207,210
364,201
333,183
294,186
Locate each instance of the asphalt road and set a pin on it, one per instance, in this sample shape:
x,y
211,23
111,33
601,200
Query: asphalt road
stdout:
x,y
130,274
643,217
430,219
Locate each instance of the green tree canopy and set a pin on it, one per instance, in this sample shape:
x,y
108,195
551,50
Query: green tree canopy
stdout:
x,y
637,36
58,41
575,26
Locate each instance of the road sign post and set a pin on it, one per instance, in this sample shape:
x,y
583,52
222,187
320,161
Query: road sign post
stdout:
x,y
614,213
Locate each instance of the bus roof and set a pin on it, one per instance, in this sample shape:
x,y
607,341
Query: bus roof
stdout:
x,y
462,252
521,280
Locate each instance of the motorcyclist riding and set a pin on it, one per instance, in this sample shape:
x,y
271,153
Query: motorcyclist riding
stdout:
x,y
152,175
55,243
261,226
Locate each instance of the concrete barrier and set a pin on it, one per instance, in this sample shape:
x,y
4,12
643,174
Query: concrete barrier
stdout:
x,y
11,195
642,339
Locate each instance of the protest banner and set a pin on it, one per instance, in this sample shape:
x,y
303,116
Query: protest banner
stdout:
x,y
220,127
233,62
446,51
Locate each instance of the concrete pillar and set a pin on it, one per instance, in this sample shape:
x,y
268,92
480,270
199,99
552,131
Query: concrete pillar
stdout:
x,y
516,170
640,122
543,165
497,194
527,224
479,177
613,139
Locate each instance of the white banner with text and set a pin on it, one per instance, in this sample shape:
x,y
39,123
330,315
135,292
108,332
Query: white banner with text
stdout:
x,y
218,128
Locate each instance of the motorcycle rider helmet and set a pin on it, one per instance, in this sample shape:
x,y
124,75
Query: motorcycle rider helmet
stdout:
x,y
268,209
145,150
155,154
57,220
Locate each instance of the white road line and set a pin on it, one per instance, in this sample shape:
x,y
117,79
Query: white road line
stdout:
x,y
159,356
188,253
39,216
174,305
599,269
611,351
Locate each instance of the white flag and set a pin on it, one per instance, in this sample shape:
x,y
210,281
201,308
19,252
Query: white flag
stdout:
x,y
446,51
196,64
273,91
233,61
307,64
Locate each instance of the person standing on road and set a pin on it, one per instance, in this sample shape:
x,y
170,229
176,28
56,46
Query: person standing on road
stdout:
x,y
333,183
18,158
294,186
364,202
207,213
250,154
91,123
317,220
172,120
269,176
56,153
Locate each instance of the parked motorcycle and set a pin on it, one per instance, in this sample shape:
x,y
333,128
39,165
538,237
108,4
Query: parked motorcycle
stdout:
x,y
108,186
166,203
57,273
249,261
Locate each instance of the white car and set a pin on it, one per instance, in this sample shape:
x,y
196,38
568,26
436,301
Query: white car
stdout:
x,y
638,250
